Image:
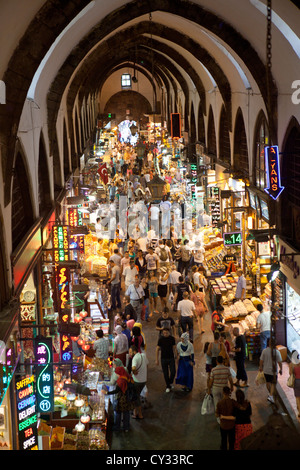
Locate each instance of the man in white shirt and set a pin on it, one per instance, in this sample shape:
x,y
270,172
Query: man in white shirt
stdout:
x,y
139,373
173,279
136,294
142,244
264,323
129,274
116,257
186,308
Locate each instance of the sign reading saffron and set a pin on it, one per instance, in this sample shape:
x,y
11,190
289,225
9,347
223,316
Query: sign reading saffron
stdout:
x,y
27,414
44,375
274,188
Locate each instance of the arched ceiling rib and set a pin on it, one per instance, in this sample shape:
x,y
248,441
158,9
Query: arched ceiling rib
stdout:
x,y
55,16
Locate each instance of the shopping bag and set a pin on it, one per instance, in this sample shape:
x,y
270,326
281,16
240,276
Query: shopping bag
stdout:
x,y
208,407
291,381
232,372
260,378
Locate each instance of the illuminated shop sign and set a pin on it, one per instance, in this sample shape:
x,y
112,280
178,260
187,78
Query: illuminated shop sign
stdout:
x,y
64,313
60,242
232,238
27,413
74,219
44,375
274,188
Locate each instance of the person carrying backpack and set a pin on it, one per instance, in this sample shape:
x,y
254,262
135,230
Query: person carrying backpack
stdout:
x,y
164,254
185,257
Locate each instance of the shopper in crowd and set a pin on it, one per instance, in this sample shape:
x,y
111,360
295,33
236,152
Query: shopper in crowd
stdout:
x,y
139,366
181,287
120,349
129,311
216,348
126,332
173,279
162,288
146,305
140,326
164,254
220,377
101,346
185,257
198,297
263,322
240,356
224,412
153,292
242,412
152,260
136,294
115,283
137,339
294,370
187,310
208,362
186,362
129,274
141,264
266,366
125,261
166,348
123,406
240,292
217,319
165,321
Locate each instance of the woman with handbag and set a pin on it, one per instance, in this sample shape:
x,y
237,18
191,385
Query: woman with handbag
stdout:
x,y
123,405
294,369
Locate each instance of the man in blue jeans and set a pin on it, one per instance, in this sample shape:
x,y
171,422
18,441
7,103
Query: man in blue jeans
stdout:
x,y
166,346
115,285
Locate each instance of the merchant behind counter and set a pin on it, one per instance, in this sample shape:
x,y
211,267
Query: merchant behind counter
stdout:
x,y
229,261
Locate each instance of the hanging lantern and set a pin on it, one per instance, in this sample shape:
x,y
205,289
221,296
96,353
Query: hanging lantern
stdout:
x,y
80,427
79,402
85,418
74,338
156,186
83,313
86,347
81,342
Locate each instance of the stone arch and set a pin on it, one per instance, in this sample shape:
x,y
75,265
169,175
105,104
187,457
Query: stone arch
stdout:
x,y
44,195
201,125
290,177
224,138
211,134
22,216
240,147
128,99
192,135
261,138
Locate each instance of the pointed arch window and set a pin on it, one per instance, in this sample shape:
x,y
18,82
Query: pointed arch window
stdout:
x,y
261,140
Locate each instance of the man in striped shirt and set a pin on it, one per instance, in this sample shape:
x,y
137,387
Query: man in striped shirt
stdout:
x,y
219,378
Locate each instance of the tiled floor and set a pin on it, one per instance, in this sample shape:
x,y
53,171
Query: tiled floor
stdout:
x,y
174,421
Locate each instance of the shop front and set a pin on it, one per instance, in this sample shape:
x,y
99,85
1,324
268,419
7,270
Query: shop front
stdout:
x,y
290,273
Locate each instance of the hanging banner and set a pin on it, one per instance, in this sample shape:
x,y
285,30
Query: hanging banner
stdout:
x,y
44,375
74,219
102,170
63,276
274,188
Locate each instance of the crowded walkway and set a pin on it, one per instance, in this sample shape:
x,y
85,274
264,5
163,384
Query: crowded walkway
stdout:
x,y
154,256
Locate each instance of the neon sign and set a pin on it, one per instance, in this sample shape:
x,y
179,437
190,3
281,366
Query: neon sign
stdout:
x,y
274,188
27,413
60,242
44,375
